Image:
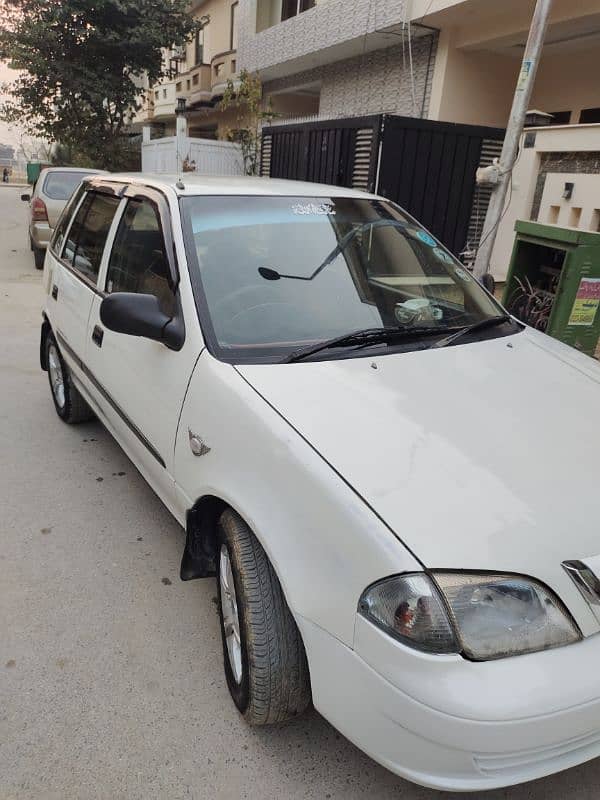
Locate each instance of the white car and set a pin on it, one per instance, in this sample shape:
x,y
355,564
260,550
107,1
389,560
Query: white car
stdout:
x,y
393,480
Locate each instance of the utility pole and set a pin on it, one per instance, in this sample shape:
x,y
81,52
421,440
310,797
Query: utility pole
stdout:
x,y
531,58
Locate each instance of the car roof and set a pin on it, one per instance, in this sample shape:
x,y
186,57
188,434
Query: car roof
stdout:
x,y
87,170
191,184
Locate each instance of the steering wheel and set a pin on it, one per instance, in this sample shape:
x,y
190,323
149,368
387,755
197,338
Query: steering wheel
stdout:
x,y
259,318
227,306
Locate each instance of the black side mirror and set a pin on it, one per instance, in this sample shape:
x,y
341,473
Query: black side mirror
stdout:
x,y
26,198
141,315
488,282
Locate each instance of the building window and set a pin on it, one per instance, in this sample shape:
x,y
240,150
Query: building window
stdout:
x,y
200,45
188,85
219,69
233,43
290,8
164,94
233,66
156,95
589,116
195,79
560,117
178,86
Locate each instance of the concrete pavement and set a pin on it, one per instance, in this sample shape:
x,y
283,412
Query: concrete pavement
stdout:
x,y
111,681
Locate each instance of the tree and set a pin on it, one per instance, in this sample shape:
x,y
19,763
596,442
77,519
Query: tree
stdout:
x,y
82,64
246,99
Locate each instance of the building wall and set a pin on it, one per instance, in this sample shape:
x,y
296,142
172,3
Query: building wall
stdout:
x,y
474,87
371,84
326,25
562,151
288,104
217,33
582,210
477,86
568,82
581,169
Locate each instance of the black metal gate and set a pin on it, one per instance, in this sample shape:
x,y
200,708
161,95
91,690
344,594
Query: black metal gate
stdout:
x,y
427,167
339,152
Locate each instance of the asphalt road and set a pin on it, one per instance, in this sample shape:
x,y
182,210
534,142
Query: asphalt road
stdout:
x,y
111,683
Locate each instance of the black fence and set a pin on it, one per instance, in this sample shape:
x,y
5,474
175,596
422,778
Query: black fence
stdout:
x,y
427,167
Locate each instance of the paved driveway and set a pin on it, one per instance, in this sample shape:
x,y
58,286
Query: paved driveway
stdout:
x,y
111,679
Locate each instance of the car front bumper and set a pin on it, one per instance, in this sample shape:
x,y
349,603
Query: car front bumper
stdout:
x,y
447,723
40,233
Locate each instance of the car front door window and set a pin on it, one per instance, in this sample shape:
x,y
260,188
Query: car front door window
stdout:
x,y
138,261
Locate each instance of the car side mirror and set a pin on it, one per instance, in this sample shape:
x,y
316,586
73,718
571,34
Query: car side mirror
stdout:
x,y
26,198
141,315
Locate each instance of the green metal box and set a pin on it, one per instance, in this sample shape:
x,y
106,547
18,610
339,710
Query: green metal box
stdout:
x,y
34,169
553,282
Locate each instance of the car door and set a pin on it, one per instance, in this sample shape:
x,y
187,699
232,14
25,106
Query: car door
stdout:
x,y
72,273
143,382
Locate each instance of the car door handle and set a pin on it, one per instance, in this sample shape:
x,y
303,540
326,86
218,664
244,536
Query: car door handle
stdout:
x,y
54,291
97,335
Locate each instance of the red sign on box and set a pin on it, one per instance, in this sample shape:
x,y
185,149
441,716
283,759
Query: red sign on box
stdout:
x,y
589,289
586,303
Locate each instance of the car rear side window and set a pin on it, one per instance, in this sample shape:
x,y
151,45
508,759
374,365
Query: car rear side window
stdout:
x,y
85,243
138,262
61,185
64,219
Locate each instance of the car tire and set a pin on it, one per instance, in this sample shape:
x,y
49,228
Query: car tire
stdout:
x,y
69,404
265,663
39,257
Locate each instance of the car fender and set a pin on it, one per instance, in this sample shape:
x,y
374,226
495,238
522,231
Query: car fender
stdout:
x,y
324,542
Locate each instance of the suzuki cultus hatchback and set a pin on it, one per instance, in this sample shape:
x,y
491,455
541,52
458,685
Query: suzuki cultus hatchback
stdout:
x,y
394,482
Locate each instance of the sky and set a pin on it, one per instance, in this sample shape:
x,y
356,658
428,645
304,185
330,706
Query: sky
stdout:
x,y
8,135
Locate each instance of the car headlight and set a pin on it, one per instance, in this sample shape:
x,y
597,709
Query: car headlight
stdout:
x,y
482,616
409,608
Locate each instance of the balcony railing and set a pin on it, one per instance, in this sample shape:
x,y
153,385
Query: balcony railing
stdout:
x,y
146,111
164,96
223,67
194,85
201,85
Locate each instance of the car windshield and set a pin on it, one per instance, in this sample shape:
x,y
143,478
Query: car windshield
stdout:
x,y
61,185
278,274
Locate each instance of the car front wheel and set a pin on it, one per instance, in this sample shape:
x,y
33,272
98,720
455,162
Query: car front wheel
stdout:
x,y
69,404
265,662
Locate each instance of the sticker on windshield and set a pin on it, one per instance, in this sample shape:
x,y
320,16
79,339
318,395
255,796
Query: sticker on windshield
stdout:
x,y
443,255
462,274
426,238
318,209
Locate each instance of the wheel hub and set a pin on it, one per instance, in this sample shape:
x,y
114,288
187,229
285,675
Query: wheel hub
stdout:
x,y
231,620
56,376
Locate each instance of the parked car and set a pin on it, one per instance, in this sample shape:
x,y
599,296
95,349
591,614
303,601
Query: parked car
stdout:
x,y
393,480
47,201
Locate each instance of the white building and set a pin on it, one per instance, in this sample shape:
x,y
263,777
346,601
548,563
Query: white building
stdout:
x,y
446,60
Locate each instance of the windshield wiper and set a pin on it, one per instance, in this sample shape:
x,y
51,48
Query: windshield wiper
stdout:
x,y
274,275
360,338
489,322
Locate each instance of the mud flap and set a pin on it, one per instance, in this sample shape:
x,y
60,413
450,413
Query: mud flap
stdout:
x,y
198,559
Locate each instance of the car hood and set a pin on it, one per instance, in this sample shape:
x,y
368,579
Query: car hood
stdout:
x,y
478,456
